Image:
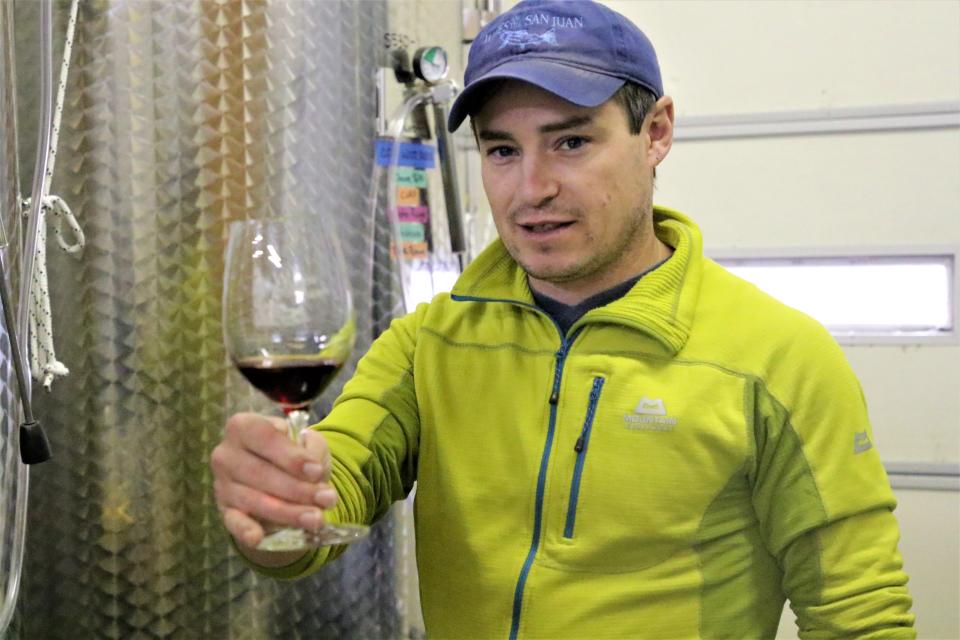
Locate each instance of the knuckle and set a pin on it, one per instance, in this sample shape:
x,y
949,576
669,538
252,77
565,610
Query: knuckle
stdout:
x,y
247,506
306,492
219,458
236,424
278,510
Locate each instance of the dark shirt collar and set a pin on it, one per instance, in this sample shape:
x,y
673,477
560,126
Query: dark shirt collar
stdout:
x,y
567,314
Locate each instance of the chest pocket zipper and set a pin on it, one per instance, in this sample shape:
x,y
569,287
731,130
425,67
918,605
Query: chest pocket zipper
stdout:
x,y
580,447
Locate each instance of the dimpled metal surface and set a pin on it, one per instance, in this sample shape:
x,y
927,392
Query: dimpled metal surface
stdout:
x,y
180,117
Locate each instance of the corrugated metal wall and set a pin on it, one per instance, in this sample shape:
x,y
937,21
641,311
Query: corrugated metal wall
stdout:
x,y
179,117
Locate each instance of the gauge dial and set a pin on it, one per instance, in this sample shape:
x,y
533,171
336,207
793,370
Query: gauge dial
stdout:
x,y
430,64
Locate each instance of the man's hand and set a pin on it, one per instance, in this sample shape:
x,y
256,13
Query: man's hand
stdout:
x,y
260,475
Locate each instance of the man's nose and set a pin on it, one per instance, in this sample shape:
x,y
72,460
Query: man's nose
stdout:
x,y
540,184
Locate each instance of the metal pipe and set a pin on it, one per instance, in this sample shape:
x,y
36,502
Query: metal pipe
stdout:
x,y
9,65
395,133
29,246
16,355
44,125
12,467
34,447
441,96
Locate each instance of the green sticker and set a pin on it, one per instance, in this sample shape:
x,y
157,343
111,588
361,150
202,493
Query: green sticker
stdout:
x,y
412,232
410,177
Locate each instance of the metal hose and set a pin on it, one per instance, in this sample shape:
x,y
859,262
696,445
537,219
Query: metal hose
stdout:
x,y
29,247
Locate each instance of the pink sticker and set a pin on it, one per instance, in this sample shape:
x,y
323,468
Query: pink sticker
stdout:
x,y
413,214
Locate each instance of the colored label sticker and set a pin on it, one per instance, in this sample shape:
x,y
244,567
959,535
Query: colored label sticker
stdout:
x,y
407,177
412,232
419,214
408,196
411,154
415,250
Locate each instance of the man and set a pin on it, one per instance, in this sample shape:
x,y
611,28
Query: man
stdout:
x,y
611,435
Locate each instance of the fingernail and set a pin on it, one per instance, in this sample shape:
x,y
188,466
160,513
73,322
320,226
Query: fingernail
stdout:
x,y
314,471
326,497
310,519
250,537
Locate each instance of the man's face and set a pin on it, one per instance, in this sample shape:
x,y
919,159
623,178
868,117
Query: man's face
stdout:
x,y
569,187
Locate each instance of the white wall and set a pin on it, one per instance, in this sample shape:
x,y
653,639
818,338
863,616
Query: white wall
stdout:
x,y
897,189
722,57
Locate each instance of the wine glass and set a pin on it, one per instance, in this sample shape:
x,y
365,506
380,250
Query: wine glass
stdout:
x,y
288,326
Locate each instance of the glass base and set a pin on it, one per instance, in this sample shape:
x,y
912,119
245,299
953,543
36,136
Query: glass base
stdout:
x,y
290,539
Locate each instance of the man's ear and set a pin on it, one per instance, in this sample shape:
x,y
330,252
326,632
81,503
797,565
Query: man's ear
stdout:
x,y
659,129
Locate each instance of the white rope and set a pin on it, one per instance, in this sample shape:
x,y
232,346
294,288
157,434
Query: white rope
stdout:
x,y
44,365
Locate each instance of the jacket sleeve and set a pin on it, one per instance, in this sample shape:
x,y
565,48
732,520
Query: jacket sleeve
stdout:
x,y
373,432
822,497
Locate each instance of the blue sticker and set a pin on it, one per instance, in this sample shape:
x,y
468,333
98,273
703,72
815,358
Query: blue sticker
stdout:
x,y
412,154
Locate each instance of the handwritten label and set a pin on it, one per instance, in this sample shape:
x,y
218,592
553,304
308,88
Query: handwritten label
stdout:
x,y
407,177
415,250
408,196
412,232
419,214
411,154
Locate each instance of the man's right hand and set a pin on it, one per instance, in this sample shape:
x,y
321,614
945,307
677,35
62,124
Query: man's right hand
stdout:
x,y
260,475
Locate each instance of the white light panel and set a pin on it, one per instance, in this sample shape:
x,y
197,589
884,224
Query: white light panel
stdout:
x,y
897,296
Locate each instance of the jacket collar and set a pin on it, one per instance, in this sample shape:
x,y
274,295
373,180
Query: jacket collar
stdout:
x,y
662,303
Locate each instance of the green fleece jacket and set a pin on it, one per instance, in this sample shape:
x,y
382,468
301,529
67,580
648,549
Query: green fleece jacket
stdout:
x,y
675,466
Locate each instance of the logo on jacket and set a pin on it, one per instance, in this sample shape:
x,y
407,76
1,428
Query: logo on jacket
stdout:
x,y
861,442
648,407
650,415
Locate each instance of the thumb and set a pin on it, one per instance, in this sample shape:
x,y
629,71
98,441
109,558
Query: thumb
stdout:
x,y
318,453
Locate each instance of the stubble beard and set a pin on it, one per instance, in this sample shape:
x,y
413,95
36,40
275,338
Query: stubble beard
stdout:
x,y
592,264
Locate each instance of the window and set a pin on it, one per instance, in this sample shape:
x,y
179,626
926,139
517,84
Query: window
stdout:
x,y
890,298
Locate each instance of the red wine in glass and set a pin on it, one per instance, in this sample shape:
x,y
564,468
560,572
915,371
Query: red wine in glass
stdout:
x,y
290,381
288,326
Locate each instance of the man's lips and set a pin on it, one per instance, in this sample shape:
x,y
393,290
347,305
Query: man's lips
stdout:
x,y
545,226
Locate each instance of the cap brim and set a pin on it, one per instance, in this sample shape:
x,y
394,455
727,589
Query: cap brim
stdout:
x,y
579,86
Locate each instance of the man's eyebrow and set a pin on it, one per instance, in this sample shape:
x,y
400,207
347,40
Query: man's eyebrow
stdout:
x,y
570,123
490,135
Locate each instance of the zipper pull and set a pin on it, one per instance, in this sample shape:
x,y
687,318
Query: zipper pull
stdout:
x,y
560,355
579,446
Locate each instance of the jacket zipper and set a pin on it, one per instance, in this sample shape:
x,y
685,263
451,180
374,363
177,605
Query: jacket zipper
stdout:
x,y
581,448
561,356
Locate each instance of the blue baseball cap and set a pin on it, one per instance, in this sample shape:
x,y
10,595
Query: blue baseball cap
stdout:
x,y
578,50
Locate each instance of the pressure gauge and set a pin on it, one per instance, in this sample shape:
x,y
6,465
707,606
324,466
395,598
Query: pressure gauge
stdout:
x,y
430,64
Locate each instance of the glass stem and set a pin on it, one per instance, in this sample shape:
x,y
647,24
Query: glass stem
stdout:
x,y
297,421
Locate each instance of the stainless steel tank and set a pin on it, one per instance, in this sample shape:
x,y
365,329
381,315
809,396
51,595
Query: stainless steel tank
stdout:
x,y
180,117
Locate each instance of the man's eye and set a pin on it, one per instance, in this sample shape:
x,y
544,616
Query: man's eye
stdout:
x,y
501,152
573,142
